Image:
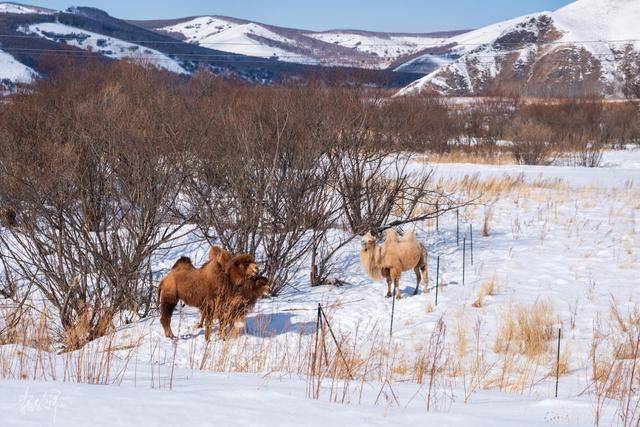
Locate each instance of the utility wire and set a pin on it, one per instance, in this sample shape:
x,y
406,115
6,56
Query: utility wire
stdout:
x,y
182,57
442,43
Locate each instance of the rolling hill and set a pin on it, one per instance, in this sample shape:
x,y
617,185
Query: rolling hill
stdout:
x,y
351,48
30,36
590,47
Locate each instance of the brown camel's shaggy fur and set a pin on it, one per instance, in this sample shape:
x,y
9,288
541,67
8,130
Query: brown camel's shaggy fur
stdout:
x,y
201,287
395,255
235,302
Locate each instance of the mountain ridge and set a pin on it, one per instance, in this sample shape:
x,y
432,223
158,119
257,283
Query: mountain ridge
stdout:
x,y
29,34
589,47
341,47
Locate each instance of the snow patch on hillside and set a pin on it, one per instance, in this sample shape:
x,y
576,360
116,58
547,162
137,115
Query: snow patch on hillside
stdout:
x,y
389,48
227,36
107,46
22,9
594,20
14,71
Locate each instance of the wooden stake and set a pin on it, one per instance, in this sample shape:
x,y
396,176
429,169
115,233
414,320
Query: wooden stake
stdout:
x,y
437,278
393,306
464,258
471,241
457,227
346,365
558,361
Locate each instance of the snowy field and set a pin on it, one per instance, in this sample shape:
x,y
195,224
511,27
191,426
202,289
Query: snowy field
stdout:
x,y
564,237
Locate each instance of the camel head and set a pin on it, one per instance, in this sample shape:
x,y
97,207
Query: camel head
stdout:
x,y
240,268
369,240
261,286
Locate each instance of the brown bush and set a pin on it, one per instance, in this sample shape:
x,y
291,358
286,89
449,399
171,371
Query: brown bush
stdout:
x,y
105,164
531,142
94,184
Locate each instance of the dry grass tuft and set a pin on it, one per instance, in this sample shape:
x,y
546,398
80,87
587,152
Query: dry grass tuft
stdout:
x,y
488,216
487,289
475,157
461,345
526,330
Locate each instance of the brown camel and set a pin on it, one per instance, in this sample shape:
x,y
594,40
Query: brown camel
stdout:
x,y
202,287
235,302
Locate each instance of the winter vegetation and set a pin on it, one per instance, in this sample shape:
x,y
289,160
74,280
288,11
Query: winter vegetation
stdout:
x,y
519,217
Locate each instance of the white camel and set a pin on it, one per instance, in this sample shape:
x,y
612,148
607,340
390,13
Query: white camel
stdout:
x,y
396,255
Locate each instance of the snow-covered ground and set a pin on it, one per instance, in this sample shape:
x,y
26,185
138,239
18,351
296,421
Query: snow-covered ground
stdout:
x,y
205,399
107,46
567,236
618,168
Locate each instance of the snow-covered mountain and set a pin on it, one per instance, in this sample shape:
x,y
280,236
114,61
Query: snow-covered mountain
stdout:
x,y
22,9
587,47
110,47
13,72
246,49
351,48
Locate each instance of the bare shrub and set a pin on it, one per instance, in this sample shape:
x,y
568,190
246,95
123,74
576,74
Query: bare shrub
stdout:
x,y
263,186
531,142
94,194
419,123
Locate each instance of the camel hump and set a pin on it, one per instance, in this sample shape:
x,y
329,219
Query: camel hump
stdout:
x,y
214,253
410,236
184,261
391,236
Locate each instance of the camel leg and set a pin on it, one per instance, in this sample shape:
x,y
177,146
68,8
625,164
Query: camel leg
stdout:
x,y
425,272
166,311
200,323
395,276
207,316
387,275
418,279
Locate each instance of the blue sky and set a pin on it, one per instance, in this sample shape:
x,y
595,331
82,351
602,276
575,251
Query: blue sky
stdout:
x,y
379,15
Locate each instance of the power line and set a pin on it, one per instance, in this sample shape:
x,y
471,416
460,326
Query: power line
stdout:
x,y
223,58
442,43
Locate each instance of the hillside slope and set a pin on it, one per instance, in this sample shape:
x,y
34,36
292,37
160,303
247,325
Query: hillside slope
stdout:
x,y
31,36
351,48
588,47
